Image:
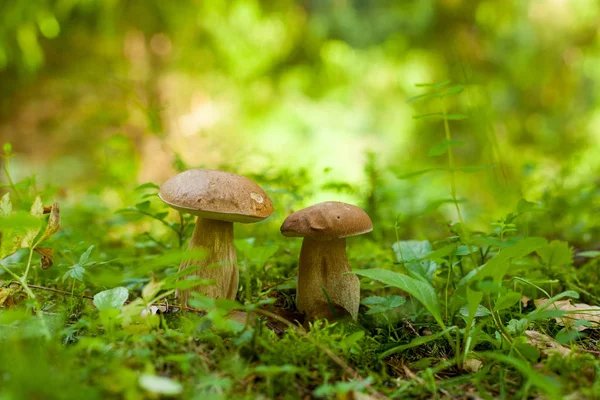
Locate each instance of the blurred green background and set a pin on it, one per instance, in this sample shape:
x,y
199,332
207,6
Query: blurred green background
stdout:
x,y
310,98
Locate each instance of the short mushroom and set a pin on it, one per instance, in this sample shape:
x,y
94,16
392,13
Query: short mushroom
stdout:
x,y
324,289
218,199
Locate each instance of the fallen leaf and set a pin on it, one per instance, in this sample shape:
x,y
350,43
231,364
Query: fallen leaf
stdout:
x,y
47,256
4,294
53,221
546,344
242,317
587,312
153,310
472,365
354,395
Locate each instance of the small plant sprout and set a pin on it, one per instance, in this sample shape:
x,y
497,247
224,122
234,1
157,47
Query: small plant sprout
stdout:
x,y
325,289
218,199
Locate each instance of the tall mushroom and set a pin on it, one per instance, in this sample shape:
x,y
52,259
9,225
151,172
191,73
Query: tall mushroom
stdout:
x,y
324,290
218,199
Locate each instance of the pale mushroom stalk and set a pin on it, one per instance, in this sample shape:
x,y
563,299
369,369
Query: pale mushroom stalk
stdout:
x,y
325,289
220,263
218,199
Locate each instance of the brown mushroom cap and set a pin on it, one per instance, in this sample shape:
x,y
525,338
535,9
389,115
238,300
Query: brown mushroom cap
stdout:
x,y
216,195
329,220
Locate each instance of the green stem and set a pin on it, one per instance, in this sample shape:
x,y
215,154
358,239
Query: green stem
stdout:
x,y
17,277
453,191
498,322
23,282
24,277
451,160
8,177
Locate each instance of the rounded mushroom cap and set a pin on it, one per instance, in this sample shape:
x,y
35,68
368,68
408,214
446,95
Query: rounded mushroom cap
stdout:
x,y
329,220
216,195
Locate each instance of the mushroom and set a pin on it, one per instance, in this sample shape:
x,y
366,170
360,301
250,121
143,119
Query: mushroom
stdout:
x,y
324,288
218,199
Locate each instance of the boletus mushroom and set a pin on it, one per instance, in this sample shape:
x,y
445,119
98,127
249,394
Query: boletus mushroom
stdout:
x,y
324,289
217,199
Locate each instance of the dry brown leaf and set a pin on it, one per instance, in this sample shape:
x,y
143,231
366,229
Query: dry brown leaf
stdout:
x,y
153,310
354,395
4,294
472,365
53,221
546,344
565,305
47,255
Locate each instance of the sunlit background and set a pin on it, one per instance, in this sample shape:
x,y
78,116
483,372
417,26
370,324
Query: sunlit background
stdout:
x,y
310,99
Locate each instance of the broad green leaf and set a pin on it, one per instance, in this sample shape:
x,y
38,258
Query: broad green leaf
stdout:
x,y
556,253
261,254
454,89
386,304
526,206
226,304
112,299
440,148
490,241
420,290
201,302
465,250
160,385
497,268
412,254
372,300
83,259
528,351
16,229
75,272
435,204
440,254
394,301
507,300
481,311
161,215
19,221
144,206
5,205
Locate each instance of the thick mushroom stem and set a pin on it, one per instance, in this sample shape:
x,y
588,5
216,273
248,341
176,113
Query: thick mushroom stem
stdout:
x,y
220,263
323,267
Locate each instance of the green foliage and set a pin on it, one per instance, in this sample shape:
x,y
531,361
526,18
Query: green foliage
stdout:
x,y
496,207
